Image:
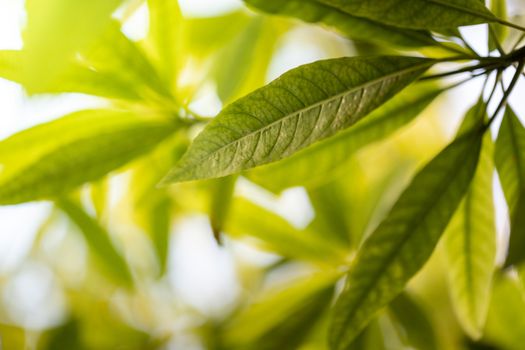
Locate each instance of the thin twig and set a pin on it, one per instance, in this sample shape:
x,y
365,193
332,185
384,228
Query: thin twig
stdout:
x,y
506,93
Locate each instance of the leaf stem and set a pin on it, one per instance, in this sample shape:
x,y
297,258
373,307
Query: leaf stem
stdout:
x,y
506,93
487,67
510,24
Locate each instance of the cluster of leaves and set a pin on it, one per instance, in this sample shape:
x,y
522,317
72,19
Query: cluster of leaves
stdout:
x,y
299,130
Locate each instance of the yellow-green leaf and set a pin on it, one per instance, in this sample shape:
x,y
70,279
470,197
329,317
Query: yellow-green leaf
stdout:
x,y
51,159
470,241
99,242
304,105
405,239
510,162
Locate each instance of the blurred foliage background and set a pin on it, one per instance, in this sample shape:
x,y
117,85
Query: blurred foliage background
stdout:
x,y
121,263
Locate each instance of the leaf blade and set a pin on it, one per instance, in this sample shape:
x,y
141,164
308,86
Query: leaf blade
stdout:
x,y
510,162
470,242
321,160
52,158
354,27
99,241
418,14
405,239
304,105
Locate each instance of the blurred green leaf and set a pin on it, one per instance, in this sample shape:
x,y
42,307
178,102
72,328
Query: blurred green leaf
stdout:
x,y
99,192
64,337
12,337
152,207
242,65
354,27
506,316
99,241
165,35
371,338
295,310
470,240
331,213
120,61
201,37
221,199
55,31
414,324
10,65
405,239
321,161
418,14
304,105
51,159
499,32
248,219
510,162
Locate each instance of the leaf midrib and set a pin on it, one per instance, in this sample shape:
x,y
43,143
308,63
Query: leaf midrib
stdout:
x,y
428,62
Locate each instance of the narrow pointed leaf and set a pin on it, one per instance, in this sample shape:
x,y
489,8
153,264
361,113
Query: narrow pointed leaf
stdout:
x,y
319,162
165,22
303,106
506,318
354,27
418,14
153,208
53,158
470,242
220,203
405,239
510,162
415,326
99,242
295,309
274,232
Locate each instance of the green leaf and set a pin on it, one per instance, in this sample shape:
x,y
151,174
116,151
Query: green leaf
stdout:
x,y
165,36
241,66
304,105
470,241
294,312
418,14
55,31
405,239
321,161
10,65
248,219
221,199
51,159
506,317
153,208
99,242
114,58
13,337
510,162
112,67
357,28
331,217
413,322
371,338
499,32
